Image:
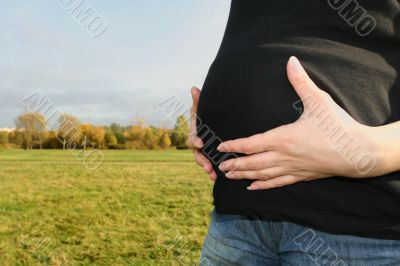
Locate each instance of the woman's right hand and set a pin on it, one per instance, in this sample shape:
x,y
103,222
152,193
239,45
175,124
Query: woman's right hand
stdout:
x,y
195,143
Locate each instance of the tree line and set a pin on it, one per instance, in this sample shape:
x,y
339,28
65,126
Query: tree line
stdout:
x,y
32,132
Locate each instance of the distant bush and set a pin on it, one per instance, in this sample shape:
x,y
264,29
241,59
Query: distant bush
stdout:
x,y
116,147
182,147
122,146
3,137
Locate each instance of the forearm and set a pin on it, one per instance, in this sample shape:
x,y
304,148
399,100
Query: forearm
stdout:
x,y
387,140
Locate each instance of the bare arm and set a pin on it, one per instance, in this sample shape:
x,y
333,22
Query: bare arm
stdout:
x,y
387,139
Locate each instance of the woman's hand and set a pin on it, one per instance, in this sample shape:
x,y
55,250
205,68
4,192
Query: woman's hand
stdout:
x,y
195,142
325,141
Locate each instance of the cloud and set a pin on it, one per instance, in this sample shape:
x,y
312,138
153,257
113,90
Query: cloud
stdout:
x,y
117,77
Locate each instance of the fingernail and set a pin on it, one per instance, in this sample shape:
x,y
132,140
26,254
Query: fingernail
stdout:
x,y
222,166
295,64
221,147
250,188
229,175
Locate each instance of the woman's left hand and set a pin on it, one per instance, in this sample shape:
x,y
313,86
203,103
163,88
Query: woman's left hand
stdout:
x,y
325,141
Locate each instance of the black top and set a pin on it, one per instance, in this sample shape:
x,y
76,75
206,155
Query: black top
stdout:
x,y
247,92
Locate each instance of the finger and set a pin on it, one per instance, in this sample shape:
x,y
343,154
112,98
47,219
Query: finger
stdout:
x,y
198,157
275,182
213,176
195,100
316,102
206,164
250,163
194,141
203,161
195,97
300,80
264,174
255,144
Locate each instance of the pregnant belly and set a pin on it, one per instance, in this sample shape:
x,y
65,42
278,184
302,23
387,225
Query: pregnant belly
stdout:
x,y
246,96
242,96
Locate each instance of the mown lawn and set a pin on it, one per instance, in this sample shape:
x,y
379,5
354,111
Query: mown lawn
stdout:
x,y
137,208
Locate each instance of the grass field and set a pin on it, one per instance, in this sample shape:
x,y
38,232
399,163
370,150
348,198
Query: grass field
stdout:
x,y
137,208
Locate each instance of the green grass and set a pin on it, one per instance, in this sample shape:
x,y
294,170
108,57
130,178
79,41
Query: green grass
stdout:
x,y
137,208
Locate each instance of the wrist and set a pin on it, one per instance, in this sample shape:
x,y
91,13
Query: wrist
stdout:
x,y
385,149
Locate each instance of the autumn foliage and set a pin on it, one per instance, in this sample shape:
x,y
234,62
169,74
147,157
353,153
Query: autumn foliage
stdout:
x,y
32,132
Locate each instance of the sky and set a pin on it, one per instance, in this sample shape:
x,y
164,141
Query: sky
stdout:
x,y
150,50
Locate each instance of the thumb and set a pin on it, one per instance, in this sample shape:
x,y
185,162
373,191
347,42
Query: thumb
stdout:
x,y
300,80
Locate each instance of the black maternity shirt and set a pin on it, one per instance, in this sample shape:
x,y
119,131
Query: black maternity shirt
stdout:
x,y
351,49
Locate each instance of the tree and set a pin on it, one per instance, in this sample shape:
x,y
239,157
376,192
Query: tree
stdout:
x,y
118,132
150,139
68,130
180,133
165,141
32,125
134,133
87,132
110,139
43,136
51,141
99,134
134,136
94,136
3,137
16,137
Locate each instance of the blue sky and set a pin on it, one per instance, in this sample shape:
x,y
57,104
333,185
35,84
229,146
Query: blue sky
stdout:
x,y
151,50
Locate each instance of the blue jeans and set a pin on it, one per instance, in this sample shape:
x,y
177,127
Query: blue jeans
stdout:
x,y
237,240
